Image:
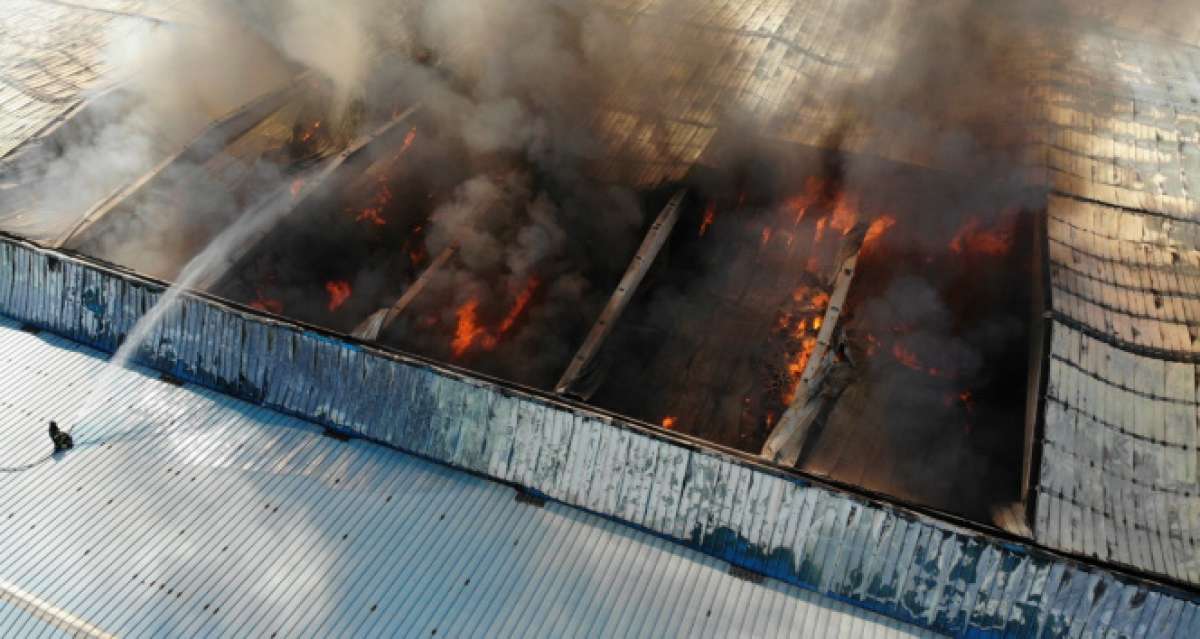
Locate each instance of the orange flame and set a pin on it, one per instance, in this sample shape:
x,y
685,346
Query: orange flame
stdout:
x,y
668,422
821,224
373,212
845,214
800,328
710,214
339,292
878,228
909,359
519,305
973,239
409,138
468,329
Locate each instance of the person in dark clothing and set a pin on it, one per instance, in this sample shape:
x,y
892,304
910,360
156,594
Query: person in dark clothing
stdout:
x,y
62,440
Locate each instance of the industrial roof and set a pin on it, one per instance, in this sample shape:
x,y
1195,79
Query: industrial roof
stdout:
x,y
1116,477
1119,477
185,512
914,567
52,55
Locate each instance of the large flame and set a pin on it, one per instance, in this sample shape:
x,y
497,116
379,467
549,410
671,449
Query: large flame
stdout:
x,y
845,214
878,228
470,332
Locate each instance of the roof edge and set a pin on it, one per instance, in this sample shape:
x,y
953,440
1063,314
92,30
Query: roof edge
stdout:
x,y
915,567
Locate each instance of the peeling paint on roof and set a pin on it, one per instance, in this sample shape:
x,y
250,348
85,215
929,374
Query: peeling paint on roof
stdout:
x,y
907,566
182,512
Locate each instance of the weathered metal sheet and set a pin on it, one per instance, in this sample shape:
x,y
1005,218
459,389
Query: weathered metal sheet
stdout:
x,y
904,565
183,512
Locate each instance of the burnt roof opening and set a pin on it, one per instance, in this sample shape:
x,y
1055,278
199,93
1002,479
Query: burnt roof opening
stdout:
x,y
927,400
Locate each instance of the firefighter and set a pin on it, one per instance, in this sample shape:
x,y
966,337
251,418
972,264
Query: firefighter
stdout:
x,y
62,440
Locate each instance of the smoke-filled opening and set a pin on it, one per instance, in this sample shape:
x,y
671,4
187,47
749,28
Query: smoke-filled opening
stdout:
x,y
923,392
807,238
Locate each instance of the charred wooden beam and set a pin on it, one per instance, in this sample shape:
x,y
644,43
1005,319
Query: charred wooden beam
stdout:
x,y
200,149
787,439
271,211
656,237
377,322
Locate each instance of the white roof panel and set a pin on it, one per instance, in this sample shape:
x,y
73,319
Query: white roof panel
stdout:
x,y
184,512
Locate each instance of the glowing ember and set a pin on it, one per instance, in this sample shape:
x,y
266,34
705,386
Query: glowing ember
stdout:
x,y
409,138
268,305
766,235
297,184
906,357
973,239
872,344
373,212
710,214
799,329
909,359
339,291
519,305
668,422
370,215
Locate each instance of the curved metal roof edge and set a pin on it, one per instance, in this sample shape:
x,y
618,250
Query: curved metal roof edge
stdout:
x,y
894,559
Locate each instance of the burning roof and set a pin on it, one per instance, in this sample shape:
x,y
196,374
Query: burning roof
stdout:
x,y
919,240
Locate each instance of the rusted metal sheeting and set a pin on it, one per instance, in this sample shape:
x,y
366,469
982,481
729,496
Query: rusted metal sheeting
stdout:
x,y
904,565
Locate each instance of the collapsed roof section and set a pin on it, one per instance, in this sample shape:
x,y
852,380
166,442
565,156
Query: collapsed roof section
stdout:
x,y
913,567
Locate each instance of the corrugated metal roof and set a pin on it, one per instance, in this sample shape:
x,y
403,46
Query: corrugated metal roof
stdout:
x,y
916,568
184,512
1120,447
52,53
